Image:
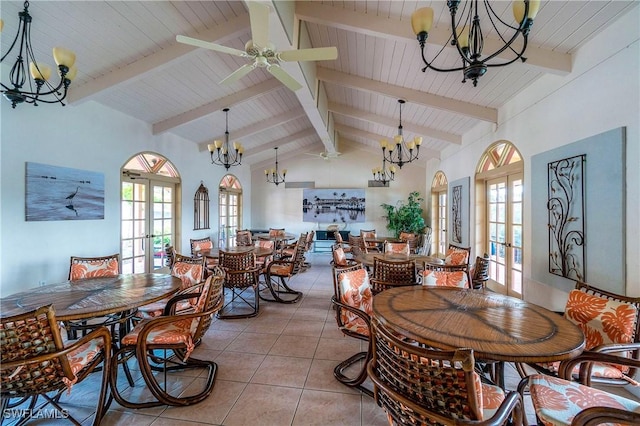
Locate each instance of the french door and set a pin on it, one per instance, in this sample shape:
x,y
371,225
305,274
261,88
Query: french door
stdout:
x,y
230,219
441,231
147,223
504,204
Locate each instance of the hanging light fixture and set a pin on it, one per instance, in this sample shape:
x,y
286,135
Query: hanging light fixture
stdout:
x,y
220,152
43,91
273,175
466,35
381,174
399,151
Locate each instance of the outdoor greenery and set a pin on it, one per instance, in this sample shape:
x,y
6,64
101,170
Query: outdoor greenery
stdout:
x,y
405,217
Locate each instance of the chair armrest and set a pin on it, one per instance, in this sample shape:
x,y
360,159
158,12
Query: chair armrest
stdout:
x,y
170,307
597,415
365,317
566,367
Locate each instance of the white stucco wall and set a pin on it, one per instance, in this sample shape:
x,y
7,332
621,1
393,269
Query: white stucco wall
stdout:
x,y
600,94
89,137
280,207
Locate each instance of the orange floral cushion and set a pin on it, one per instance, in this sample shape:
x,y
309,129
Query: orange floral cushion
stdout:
x,y
445,278
280,269
94,269
189,273
276,232
84,354
339,258
355,291
178,332
399,248
557,401
368,235
203,245
456,257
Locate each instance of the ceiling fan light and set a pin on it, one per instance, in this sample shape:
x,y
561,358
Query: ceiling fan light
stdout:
x,y
64,57
421,20
39,71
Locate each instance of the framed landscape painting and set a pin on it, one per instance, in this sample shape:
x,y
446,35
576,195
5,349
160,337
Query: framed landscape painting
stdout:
x,y
333,205
61,193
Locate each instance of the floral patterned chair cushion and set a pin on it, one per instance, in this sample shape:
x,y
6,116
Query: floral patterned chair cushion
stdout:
x,y
263,261
456,256
276,232
369,235
202,245
94,268
355,291
397,248
445,278
339,257
557,401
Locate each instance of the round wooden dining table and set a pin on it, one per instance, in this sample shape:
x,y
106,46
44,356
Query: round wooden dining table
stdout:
x,y
259,251
367,258
266,236
93,297
496,327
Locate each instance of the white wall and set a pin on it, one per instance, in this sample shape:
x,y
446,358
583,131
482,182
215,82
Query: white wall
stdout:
x,y
600,94
90,137
279,207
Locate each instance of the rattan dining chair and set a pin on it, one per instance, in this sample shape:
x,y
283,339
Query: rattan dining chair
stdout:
x,y
241,283
200,244
191,272
480,272
445,275
340,242
164,345
93,267
392,273
282,270
339,257
244,238
36,365
611,324
561,401
397,248
366,245
353,303
420,386
411,239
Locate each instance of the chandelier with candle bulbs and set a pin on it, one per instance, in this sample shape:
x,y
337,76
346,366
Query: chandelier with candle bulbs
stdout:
x,y
38,88
467,35
382,175
273,175
221,154
400,151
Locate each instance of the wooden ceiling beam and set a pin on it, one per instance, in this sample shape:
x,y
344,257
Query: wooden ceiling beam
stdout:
x,y
390,122
413,96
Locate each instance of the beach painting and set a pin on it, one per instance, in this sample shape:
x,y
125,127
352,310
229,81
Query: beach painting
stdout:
x,y
61,193
334,206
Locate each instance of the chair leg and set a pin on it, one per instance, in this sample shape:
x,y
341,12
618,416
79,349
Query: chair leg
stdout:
x,y
358,380
238,295
278,287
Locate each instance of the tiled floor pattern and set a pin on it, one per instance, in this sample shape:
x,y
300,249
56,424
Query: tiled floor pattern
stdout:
x,y
274,369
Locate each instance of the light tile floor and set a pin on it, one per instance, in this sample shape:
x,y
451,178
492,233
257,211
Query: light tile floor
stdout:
x,y
274,369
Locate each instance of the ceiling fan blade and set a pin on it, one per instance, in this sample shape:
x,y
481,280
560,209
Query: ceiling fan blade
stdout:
x,y
284,77
211,46
259,16
315,54
238,74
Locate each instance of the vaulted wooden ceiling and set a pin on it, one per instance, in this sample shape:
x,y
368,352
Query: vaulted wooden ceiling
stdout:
x,y
129,60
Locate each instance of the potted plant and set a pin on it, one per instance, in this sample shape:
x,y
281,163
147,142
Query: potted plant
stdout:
x,y
405,217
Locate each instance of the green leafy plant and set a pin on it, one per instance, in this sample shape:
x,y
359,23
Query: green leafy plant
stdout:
x,y
405,217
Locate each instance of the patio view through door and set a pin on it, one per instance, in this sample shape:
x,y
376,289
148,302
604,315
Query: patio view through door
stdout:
x,y
230,208
148,212
504,203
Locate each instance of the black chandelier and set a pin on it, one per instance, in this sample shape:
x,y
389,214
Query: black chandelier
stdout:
x,y
273,175
220,152
466,35
381,174
400,151
43,91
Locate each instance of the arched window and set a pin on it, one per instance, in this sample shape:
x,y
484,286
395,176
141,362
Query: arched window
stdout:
x,y
230,210
439,216
499,208
149,186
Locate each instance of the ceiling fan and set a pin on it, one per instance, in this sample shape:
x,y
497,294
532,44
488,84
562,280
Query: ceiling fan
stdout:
x,y
262,52
326,155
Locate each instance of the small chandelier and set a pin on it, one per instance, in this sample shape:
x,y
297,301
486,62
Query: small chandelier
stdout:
x,y
273,175
400,152
40,72
466,35
220,152
381,174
